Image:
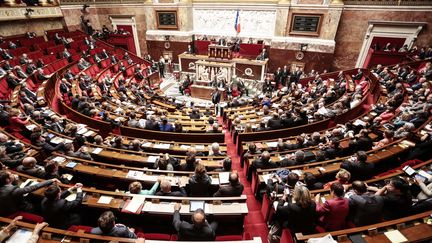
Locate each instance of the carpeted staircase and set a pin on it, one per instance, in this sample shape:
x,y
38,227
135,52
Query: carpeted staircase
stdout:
x,y
254,223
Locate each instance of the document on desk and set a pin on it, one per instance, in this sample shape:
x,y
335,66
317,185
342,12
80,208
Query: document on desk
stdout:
x,y
59,159
224,177
184,147
73,196
105,200
152,159
162,146
82,131
229,208
135,204
21,235
134,174
146,177
395,236
97,150
56,140
31,127
162,207
272,144
148,144
200,147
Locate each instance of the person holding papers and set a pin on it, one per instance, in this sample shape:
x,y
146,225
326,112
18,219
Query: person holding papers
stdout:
x,y
233,189
6,231
136,188
56,203
199,230
107,226
12,196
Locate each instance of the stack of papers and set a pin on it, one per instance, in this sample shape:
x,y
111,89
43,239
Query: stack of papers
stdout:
x,y
105,200
59,159
162,146
395,236
21,235
31,127
152,159
72,197
133,174
185,147
135,204
57,140
148,144
271,144
97,150
200,147
224,177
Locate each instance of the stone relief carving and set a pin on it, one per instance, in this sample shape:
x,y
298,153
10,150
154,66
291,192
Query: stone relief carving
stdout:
x,y
221,22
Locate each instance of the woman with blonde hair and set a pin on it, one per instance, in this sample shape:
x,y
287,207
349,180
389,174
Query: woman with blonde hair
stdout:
x,y
343,176
299,215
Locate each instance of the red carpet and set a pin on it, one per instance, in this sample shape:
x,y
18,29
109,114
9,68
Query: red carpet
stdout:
x,y
254,223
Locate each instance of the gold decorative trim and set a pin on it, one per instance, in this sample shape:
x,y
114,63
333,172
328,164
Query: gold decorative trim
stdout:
x,y
19,13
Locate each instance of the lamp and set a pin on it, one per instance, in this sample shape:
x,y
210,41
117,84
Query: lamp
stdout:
x,y
303,47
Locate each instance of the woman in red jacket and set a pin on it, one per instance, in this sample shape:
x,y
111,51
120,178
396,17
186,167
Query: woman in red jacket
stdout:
x,y
17,122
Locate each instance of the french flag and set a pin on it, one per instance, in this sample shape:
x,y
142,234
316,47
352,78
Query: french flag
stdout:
x,y
237,22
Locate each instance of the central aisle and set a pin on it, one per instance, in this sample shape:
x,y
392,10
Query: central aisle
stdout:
x,y
254,223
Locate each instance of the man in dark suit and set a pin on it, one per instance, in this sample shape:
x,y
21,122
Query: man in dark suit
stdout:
x,y
199,230
358,76
222,41
41,76
278,77
216,96
55,204
166,190
28,92
31,67
233,189
20,73
358,167
64,86
7,66
286,73
263,55
114,60
274,122
12,196
297,75
107,226
152,124
12,80
11,146
365,208
263,162
29,167
5,54
104,54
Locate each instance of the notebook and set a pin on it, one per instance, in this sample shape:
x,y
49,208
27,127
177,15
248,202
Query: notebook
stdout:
x,y
395,236
194,205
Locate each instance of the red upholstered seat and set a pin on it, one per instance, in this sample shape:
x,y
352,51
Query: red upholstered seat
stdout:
x,y
229,237
156,236
28,217
286,236
76,228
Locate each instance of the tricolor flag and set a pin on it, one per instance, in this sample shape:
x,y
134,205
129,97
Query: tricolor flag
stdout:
x,y
237,22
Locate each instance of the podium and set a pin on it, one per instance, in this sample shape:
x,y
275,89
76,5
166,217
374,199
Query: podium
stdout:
x,y
217,51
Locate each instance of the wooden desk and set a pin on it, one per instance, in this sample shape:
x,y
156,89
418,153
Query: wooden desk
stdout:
x,y
203,92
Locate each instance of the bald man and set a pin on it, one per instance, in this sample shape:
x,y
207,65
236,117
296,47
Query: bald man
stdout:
x,y
165,190
199,230
233,189
29,167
